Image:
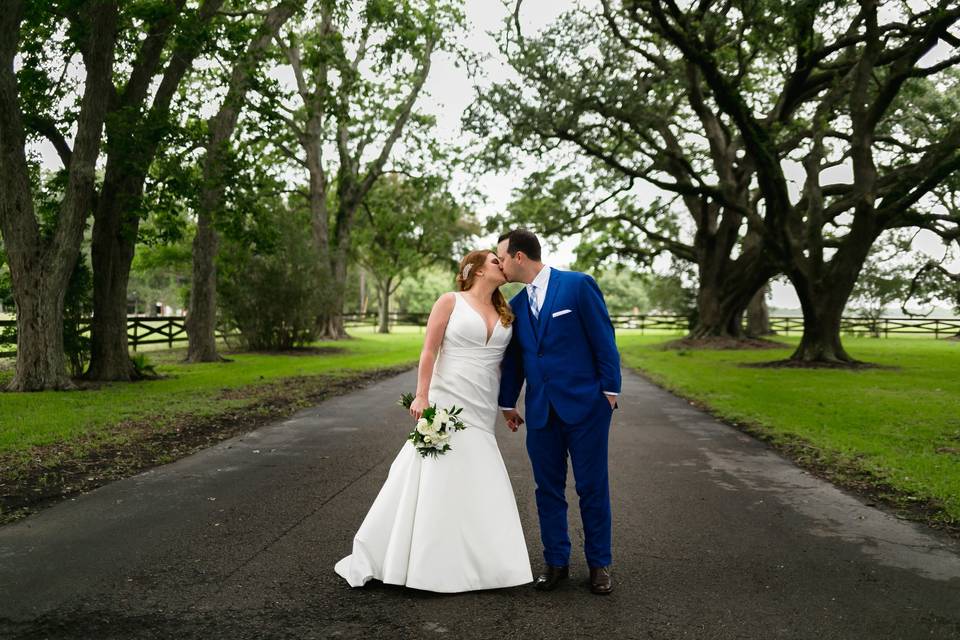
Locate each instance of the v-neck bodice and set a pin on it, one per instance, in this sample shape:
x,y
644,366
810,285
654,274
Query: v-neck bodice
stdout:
x,y
487,332
467,372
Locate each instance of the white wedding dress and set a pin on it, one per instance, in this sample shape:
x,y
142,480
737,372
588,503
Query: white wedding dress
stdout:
x,y
450,523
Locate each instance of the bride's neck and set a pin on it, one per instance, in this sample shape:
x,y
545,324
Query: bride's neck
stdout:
x,y
482,293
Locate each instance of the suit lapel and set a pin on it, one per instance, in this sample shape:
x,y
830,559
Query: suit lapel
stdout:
x,y
547,307
523,314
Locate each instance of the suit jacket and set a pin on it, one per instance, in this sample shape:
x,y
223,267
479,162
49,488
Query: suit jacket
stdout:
x,y
568,357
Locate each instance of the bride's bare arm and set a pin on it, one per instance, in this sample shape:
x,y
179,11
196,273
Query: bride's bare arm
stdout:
x,y
436,326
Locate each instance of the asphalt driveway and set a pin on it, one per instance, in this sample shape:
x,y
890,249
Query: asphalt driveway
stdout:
x,y
715,536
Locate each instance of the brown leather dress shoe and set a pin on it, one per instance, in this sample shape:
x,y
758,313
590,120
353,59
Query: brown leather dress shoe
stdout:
x,y
551,577
601,582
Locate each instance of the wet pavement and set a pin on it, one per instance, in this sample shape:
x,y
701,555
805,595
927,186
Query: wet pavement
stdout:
x,y
715,536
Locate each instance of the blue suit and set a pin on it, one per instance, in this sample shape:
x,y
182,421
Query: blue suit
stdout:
x,y
568,357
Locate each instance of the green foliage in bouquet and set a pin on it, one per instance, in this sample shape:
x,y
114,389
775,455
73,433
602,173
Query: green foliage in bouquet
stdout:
x,y
429,437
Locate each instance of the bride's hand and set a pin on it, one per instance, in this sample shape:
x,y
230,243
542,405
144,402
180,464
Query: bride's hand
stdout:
x,y
418,405
513,419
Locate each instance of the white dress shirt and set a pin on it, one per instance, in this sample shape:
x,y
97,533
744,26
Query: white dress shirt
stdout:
x,y
541,282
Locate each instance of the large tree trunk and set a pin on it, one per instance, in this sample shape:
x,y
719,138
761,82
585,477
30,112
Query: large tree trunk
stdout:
x,y
201,324
758,314
114,240
202,316
333,327
330,324
40,264
821,332
363,292
383,289
823,289
41,363
117,217
718,316
726,287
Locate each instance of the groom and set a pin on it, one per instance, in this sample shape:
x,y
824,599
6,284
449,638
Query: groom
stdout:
x,y
563,346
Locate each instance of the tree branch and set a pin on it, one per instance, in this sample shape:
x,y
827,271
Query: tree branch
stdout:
x,y
47,128
375,168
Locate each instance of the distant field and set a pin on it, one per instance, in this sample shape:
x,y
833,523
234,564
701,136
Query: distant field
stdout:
x,y
901,424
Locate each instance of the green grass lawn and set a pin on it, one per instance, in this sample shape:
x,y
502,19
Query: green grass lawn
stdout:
x,y
900,425
32,419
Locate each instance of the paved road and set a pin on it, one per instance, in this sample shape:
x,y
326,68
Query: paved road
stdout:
x,y
715,537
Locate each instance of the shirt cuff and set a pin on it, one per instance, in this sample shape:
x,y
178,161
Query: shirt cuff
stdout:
x,y
612,393
507,408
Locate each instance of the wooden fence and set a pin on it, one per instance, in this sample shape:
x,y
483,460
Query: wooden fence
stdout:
x,y
141,330
783,325
171,330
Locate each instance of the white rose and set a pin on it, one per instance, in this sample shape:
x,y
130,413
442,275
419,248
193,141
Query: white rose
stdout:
x,y
423,426
442,418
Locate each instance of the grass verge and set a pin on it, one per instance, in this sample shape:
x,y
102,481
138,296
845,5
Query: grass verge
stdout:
x,y
891,433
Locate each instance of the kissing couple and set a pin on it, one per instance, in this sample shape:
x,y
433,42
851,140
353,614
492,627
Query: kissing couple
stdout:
x,y
449,523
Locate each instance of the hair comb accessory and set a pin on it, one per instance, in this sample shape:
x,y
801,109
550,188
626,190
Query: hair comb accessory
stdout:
x,y
466,271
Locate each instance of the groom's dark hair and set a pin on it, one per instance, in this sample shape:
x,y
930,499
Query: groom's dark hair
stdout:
x,y
522,240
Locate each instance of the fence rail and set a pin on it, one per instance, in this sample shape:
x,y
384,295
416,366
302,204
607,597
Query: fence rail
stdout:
x,y
170,330
785,325
885,327
141,330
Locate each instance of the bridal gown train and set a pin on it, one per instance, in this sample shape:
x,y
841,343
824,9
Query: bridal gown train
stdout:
x,y
450,523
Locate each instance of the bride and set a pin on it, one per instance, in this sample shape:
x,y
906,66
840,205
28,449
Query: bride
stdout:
x,y
450,523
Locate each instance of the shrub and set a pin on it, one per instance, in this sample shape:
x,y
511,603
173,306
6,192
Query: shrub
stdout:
x,y
271,290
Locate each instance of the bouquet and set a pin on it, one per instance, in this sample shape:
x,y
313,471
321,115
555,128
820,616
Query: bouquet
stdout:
x,y
431,435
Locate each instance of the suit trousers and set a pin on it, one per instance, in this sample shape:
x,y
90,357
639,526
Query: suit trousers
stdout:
x,y
586,443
